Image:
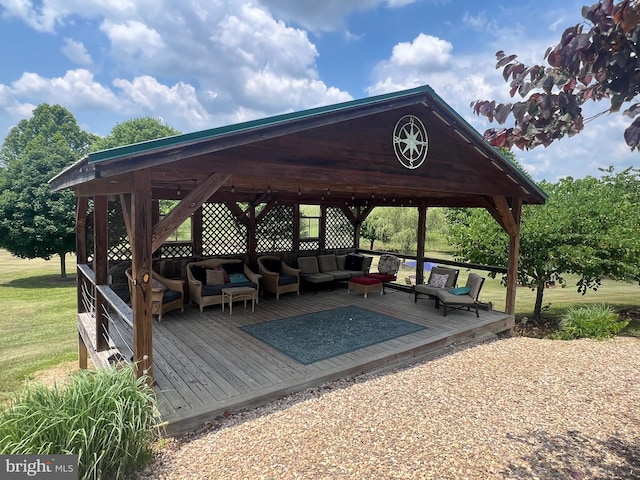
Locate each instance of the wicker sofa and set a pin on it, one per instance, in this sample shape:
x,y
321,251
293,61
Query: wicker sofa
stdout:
x,y
204,291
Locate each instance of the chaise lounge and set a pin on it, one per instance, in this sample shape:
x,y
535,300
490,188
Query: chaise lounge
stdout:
x,y
441,279
463,297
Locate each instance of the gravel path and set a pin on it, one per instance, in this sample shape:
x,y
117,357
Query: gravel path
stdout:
x,y
516,408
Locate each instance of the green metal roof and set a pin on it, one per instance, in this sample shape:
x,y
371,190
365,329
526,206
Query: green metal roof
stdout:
x,y
188,138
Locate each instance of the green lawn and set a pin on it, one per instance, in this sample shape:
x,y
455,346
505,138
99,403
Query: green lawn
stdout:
x,y
38,322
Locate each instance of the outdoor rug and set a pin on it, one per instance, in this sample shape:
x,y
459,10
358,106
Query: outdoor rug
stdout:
x,y
317,336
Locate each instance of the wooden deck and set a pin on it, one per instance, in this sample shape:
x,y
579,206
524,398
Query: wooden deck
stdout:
x,y
204,365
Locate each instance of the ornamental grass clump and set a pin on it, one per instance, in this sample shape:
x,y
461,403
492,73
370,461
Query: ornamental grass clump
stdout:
x,y
590,321
106,416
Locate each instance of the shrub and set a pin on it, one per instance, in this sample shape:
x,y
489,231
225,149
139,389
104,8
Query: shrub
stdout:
x,y
106,416
590,321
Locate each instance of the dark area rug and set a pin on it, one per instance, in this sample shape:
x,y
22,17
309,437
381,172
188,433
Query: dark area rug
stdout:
x,y
317,336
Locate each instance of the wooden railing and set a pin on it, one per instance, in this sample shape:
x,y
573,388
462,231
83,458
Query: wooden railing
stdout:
x,y
103,325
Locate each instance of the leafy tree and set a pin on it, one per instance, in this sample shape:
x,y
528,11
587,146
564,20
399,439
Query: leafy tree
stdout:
x,y
135,130
34,221
47,121
589,227
595,64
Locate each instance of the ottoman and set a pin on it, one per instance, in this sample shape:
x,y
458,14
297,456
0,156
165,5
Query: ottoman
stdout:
x,y
365,285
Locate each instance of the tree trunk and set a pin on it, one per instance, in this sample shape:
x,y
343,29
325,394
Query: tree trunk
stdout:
x,y
63,265
371,245
537,311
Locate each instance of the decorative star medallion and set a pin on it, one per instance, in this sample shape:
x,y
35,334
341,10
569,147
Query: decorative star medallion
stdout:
x,y
410,141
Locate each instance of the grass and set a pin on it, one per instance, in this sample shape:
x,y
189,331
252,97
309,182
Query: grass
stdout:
x,y
38,323
105,416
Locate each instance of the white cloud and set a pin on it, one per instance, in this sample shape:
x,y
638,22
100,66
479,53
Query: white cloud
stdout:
x,y
159,49
76,52
146,94
132,38
77,88
425,52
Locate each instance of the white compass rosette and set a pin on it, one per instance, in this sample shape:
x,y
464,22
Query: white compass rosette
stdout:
x,y
410,141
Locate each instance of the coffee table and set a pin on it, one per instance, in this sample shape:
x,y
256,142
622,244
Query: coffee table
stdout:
x,y
234,294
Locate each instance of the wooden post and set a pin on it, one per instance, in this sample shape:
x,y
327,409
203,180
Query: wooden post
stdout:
x,y
82,353
100,268
141,268
196,232
82,207
514,254
422,233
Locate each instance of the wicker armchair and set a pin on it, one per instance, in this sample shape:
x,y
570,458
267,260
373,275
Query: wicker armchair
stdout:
x,y
277,276
166,294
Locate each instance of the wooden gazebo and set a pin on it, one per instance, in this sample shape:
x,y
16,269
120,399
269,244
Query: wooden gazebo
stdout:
x,y
401,149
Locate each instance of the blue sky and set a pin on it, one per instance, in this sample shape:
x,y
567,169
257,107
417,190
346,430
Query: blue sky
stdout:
x,y
204,63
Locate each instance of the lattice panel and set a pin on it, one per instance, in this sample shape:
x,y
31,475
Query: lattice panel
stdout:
x,y
119,248
275,232
222,233
176,250
309,245
339,230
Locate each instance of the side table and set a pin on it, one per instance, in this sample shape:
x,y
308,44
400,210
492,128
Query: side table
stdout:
x,y
234,294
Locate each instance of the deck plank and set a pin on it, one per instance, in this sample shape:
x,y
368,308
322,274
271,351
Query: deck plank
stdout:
x,y
205,365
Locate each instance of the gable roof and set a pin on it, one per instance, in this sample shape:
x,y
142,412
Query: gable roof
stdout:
x,y
347,149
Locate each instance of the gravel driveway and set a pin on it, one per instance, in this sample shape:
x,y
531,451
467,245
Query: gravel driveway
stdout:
x,y
516,408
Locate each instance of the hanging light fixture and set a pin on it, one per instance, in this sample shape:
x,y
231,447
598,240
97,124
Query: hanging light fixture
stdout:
x,y
179,192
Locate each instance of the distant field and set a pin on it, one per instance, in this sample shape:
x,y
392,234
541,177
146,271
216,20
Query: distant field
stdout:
x,y
38,318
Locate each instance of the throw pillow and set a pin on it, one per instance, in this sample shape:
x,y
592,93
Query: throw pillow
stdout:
x,y
438,281
460,290
224,272
235,267
237,278
353,262
215,276
199,273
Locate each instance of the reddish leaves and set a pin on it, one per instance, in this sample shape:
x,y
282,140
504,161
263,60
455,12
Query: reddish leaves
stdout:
x,y
600,63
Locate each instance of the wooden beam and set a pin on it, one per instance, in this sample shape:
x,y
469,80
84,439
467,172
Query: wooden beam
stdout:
x,y
141,268
267,208
104,186
100,267
192,201
514,254
505,214
125,206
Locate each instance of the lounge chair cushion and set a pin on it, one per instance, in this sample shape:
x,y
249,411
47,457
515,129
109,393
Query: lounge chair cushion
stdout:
x,y
170,296
286,279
